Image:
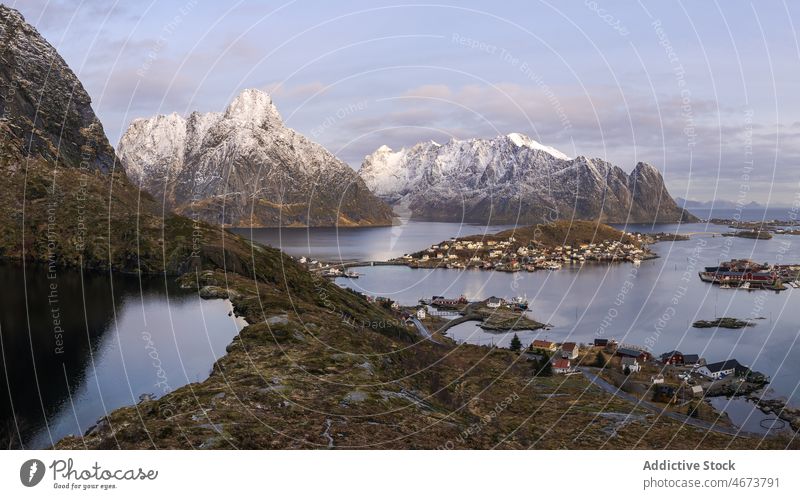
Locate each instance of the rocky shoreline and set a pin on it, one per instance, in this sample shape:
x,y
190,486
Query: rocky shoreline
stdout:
x,y
724,322
779,408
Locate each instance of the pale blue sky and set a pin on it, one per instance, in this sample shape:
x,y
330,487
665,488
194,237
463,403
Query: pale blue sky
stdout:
x,y
699,89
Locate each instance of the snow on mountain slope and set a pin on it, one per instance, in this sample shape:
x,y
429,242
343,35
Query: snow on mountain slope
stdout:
x,y
244,167
511,179
524,141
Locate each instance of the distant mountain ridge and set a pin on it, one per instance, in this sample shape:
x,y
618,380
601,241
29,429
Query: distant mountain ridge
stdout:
x,y
244,167
514,179
716,204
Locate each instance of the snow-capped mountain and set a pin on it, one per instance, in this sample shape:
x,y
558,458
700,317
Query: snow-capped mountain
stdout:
x,y
244,167
514,179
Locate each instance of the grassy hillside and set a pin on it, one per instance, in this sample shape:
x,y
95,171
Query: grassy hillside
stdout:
x,y
558,233
300,377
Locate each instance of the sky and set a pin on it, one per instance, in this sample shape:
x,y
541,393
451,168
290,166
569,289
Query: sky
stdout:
x,y
703,90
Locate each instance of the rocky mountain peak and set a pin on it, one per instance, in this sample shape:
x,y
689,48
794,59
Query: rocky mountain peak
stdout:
x,y
254,106
646,169
244,167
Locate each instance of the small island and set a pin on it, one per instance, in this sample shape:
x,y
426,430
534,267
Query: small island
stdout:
x,y
501,319
764,229
538,247
749,234
494,314
726,322
667,236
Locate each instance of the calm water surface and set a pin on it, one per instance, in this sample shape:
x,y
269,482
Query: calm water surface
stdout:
x,y
653,305
363,243
747,416
75,349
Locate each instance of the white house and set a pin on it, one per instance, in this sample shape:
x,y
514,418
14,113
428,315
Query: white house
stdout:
x,y
569,350
561,366
632,365
494,302
421,313
719,370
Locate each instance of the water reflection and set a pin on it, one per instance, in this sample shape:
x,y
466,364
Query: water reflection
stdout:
x,y
74,347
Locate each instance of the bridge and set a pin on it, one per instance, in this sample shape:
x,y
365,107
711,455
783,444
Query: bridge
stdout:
x,y
701,233
363,263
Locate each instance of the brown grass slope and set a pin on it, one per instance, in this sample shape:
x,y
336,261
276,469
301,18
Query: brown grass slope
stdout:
x,y
318,366
558,233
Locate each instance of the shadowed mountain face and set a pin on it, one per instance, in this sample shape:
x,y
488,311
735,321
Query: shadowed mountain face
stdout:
x,y
62,201
514,179
244,167
44,108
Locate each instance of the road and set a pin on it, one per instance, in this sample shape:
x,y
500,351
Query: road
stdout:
x,y
689,421
424,331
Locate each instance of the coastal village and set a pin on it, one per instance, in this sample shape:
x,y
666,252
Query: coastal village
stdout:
x,y
750,275
511,255
674,382
530,249
541,247
677,384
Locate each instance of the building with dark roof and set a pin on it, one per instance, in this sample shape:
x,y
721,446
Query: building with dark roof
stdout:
x,y
692,359
719,370
673,358
641,355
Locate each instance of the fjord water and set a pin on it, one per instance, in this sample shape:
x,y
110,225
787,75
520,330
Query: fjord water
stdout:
x,y
349,244
653,305
77,347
